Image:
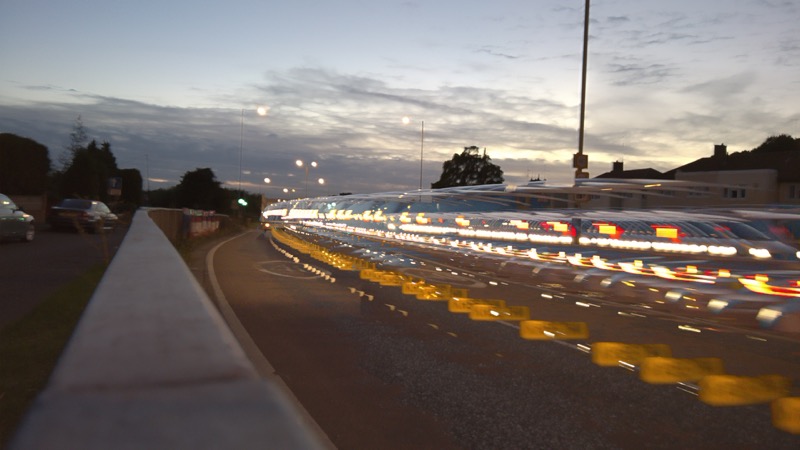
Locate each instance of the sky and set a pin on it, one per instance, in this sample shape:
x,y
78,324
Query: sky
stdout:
x,y
174,85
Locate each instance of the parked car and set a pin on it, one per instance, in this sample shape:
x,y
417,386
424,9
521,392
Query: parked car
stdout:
x,y
14,222
83,215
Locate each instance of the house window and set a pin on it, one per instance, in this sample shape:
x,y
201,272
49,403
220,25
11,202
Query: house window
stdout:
x,y
794,192
734,192
699,192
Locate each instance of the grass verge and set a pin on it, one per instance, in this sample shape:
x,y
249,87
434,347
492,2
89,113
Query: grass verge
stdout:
x,y
30,347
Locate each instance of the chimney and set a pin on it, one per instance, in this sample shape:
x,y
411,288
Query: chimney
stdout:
x,y
720,151
616,167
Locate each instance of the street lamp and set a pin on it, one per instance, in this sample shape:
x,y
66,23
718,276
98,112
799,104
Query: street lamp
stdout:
x,y
300,163
261,111
288,191
267,180
580,160
406,121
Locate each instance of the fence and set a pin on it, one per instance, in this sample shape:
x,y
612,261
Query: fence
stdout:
x,y
181,224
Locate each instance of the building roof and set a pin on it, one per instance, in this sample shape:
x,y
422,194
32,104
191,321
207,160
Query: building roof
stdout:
x,y
648,173
779,153
787,163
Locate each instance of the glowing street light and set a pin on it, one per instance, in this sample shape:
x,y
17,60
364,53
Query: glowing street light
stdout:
x,y
261,111
300,164
406,121
267,180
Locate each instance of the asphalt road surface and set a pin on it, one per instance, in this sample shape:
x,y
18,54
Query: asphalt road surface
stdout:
x,y
379,369
30,271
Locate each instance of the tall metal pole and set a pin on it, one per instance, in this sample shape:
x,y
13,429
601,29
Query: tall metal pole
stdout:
x,y
241,146
147,169
421,146
147,175
579,166
305,193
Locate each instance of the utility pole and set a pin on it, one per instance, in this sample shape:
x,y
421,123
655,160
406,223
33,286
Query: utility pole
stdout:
x,y
580,161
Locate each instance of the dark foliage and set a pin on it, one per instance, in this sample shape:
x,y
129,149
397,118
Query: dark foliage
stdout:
x,y
199,189
88,174
24,165
781,143
469,169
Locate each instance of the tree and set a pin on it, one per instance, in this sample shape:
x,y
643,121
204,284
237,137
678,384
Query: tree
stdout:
x,y
77,141
131,186
163,197
199,189
88,172
781,143
469,169
24,165
87,169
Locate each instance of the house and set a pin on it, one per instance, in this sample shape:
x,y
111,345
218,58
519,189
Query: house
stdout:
x,y
759,176
617,172
767,175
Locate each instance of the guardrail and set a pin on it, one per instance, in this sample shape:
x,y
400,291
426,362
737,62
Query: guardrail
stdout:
x,y
180,224
152,365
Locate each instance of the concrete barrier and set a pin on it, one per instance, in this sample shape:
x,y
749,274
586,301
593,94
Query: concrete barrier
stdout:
x,y
200,223
170,221
152,365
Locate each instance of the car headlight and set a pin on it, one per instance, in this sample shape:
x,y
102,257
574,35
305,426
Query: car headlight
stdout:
x,y
768,315
760,252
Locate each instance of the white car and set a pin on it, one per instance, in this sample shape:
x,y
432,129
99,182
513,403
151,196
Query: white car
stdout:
x,y
14,222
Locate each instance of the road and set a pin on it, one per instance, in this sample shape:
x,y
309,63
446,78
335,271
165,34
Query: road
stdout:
x,y
31,271
379,369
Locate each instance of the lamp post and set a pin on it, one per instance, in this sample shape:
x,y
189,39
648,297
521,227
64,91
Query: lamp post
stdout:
x,y
580,160
261,111
267,180
241,148
406,121
300,163
288,191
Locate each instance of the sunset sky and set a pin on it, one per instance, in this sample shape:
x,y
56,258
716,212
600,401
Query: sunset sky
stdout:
x,y
174,85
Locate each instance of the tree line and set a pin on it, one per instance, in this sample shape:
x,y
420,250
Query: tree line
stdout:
x,y
85,170
200,189
86,167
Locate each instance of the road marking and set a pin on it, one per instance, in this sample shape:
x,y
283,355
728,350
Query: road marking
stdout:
x,y
251,350
277,274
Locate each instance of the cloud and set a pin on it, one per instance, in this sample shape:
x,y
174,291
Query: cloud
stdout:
x,y
349,123
617,19
787,53
492,51
722,89
637,73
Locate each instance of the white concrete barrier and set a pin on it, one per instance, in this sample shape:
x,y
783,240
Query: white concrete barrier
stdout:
x,y
152,365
